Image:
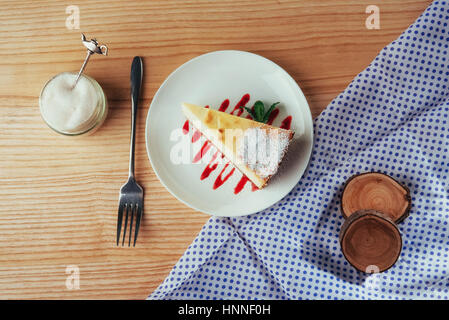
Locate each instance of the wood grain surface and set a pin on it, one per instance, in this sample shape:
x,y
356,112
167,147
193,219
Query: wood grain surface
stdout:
x,y
59,194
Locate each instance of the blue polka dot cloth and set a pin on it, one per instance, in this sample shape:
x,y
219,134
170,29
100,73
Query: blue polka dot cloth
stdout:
x,y
392,118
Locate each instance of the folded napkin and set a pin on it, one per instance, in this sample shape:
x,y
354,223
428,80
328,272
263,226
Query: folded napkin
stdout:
x,y
393,118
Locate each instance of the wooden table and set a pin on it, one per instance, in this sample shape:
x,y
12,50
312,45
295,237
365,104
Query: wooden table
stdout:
x,y
60,194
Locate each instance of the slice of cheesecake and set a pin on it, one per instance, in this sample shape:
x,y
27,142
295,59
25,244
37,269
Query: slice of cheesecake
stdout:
x,y
254,148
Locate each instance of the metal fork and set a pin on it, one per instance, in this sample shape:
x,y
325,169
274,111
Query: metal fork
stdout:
x,y
131,193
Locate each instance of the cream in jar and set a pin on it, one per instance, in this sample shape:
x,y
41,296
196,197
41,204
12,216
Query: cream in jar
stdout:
x,y
73,109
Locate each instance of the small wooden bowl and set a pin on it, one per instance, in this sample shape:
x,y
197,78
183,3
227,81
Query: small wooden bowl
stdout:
x,y
376,191
370,241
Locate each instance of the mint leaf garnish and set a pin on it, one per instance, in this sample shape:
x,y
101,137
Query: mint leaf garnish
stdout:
x,y
251,113
270,110
258,111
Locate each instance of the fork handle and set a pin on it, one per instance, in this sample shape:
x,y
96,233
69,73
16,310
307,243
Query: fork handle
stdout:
x,y
136,82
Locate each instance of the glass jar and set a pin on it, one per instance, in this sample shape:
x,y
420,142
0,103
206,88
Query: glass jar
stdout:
x,y
73,110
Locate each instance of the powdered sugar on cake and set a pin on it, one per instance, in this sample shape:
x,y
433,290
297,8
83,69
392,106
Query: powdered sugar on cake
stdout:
x,y
262,149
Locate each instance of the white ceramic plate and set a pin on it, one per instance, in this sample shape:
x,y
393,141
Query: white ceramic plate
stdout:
x,y
209,79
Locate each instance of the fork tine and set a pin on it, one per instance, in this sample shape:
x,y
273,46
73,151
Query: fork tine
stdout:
x,y
138,217
126,222
119,222
134,208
